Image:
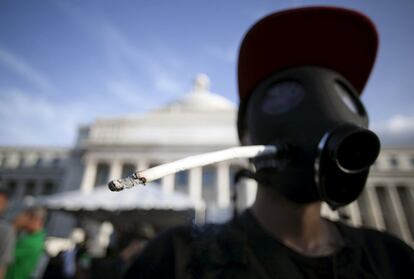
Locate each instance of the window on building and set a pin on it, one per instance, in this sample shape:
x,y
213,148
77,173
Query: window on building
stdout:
x,y
237,194
128,169
209,178
102,174
233,170
393,161
11,187
55,162
30,188
181,181
151,165
4,161
39,162
21,162
48,188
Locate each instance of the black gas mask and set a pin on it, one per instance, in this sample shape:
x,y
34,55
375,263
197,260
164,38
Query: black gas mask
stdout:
x,y
315,117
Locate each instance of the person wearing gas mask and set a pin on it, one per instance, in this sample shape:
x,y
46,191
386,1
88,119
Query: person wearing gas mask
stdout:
x,y
300,73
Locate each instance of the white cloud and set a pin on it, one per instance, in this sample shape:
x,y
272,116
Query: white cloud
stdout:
x,y
123,91
401,124
116,41
397,124
29,120
165,82
128,60
17,65
396,131
123,53
129,97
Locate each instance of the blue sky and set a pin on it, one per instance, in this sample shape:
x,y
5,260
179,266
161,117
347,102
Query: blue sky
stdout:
x,y
66,62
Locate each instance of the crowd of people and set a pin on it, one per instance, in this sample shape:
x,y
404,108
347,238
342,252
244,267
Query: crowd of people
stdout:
x,y
23,254
78,262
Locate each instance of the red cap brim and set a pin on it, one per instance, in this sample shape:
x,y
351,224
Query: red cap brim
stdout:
x,y
342,40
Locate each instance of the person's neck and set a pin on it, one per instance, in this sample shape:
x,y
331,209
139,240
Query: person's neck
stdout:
x,y
298,226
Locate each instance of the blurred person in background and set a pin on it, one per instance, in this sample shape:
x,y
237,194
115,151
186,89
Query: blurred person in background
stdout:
x,y
70,257
67,264
124,247
29,243
7,236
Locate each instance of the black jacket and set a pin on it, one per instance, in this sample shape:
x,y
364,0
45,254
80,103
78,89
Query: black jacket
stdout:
x,y
242,249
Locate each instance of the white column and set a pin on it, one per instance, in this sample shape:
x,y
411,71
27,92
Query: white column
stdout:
x,y
195,181
355,213
375,206
251,190
89,176
326,211
93,229
223,185
141,165
399,212
115,170
167,183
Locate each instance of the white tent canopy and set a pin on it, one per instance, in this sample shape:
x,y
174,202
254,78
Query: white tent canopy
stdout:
x,y
150,197
147,204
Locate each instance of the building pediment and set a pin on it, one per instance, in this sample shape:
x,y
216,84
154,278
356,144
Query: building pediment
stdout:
x,y
200,118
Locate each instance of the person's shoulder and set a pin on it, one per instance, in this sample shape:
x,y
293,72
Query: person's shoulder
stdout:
x,y
185,249
157,260
40,234
5,226
7,241
371,235
193,233
7,233
36,237
378,243
186,237
169,237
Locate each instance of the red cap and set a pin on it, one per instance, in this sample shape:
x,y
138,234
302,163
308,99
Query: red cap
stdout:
x,y
342,40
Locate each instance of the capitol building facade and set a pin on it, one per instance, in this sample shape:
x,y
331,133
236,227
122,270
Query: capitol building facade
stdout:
x,y
199,122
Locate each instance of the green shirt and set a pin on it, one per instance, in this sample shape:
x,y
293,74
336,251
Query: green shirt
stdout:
x,y
29,248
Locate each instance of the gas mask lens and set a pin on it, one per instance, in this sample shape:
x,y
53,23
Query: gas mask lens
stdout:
x,y
348,98
282,97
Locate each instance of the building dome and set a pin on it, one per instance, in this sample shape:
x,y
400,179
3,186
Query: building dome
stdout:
x,y
201,99
199,118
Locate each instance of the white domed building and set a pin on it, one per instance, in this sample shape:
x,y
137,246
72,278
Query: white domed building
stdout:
x,y
199,122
